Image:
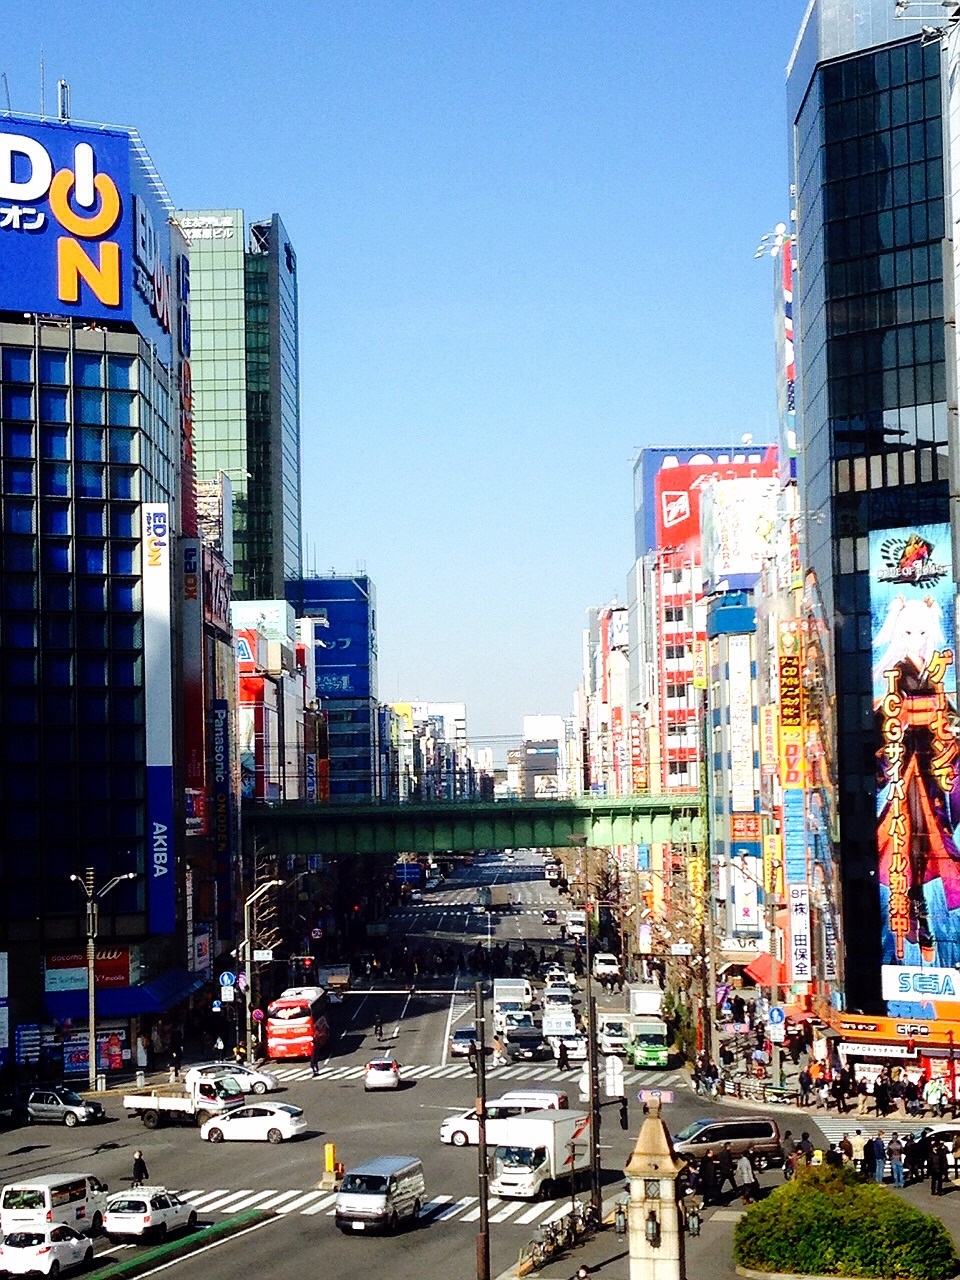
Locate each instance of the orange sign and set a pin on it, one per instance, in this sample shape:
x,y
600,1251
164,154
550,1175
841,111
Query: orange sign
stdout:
x,y
745,826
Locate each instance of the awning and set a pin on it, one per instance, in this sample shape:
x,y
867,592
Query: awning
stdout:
x,y
761,969
126,1002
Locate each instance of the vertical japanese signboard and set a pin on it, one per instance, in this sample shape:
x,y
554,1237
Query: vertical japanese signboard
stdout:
x,y
798,900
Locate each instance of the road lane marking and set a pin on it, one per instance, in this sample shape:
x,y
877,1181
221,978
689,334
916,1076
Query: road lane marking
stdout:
x,y
200,1200
454,1209
356,1011
531,1215
474,1213
446,1030
251,1201
325,1203
279,1199
406,1003
304,1200
506,1212
218,1205
432,1206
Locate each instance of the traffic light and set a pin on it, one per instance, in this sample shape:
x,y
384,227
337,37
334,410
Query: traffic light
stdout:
x,y
624,1114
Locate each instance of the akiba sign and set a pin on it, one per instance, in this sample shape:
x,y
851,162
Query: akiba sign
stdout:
x,y
82,231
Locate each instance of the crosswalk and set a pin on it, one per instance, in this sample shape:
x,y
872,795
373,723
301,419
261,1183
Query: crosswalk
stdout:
x,y
439,1209
461,1070
833,1127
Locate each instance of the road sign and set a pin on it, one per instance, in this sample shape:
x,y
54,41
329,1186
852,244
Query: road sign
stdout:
x,y
681,949
655,1095
257,1015
227,979
776,1016
264,953
777,1032
227,995
613,1077
316,933
216,1006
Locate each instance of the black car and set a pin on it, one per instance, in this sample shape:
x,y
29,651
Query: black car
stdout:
x,y
549,916
524,1045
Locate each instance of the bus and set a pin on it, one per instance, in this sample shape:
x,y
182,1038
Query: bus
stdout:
x,y
296,1022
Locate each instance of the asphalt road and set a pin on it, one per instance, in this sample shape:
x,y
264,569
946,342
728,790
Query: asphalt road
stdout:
x,y
229,1178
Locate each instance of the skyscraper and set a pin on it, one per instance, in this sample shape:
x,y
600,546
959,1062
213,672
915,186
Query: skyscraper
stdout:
x,y
864,95
246,383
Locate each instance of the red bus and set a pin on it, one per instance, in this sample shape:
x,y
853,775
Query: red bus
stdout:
x,y
296,1022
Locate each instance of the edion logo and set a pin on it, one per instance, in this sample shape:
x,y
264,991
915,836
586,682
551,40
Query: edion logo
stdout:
x,y
191,573
85,204
157,538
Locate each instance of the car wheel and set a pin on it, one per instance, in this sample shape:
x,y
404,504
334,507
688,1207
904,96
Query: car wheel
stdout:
x,y
259,1087
161,1233
69,1120
459,1139
151,1119
416,1212
54,1268
274,1136
192,1222
96,1224
394,1223
215,1135
88,1258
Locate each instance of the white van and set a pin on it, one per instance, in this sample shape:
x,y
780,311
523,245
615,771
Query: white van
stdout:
x,y
534,1100
77,1199
379,1194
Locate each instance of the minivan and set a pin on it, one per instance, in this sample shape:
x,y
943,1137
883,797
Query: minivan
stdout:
x,y
77,1199
742,1133
379,1194
535,1100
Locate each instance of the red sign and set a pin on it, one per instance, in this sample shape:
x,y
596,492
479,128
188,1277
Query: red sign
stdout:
x,y
678,491
745,826
111,966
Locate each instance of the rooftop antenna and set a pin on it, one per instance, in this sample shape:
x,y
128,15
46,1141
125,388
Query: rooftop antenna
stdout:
x,y
6,90
63,100
43,88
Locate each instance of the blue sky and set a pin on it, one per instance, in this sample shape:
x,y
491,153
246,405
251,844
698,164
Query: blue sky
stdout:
x,y
525,235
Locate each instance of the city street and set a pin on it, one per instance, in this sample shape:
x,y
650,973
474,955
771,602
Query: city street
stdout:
x,y
229,1179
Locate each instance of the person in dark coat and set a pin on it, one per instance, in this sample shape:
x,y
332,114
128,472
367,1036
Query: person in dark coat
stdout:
x,y
563,1057
788,1148
316,1053
805,1081
937,1164
140,1172
708,1177
725,1170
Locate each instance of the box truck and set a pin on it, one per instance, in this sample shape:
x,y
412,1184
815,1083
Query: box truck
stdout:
x,y
539,1153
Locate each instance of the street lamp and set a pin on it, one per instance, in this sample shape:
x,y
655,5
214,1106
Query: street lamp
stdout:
x,y
92,896
248,956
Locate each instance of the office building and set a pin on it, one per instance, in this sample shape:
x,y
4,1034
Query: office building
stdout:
x,y
246,387
865,90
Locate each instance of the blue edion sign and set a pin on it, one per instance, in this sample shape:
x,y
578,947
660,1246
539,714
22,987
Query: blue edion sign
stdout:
x,y
82,232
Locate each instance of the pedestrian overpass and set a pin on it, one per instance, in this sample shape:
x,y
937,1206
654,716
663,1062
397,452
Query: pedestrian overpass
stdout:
x,y
334,829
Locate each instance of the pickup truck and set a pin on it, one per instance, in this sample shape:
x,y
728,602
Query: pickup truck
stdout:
x,y
195,1103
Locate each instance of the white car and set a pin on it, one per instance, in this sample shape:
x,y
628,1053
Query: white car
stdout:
x,y
145,1211
576,1047
263,1122
606,965
47,1249
249,1079
381,1073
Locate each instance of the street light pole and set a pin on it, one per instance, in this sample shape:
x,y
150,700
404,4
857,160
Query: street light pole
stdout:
x,y
483,1173
248,956
92,896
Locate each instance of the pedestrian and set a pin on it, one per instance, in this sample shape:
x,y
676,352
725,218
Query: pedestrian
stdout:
x,y
895,1156
937,1164
725,1170
833,1157
878,1150
910,1160
563,1057
805,1081
498,1059
174,1062
838,1091
955,1151
240,1053
881,1095
858,1143
747,1183
788,1149
805,1148
472,1056
315,1053
219,1046
863,1097
378,1027
708,1177
846,1147
140,1171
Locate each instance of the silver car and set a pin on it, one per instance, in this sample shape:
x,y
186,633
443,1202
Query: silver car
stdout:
x,y
63,1106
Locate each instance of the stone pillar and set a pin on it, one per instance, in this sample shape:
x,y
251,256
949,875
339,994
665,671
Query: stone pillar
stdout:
x,y
654,1222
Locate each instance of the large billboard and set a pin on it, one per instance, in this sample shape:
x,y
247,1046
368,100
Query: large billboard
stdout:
x,y
82,229
158,681
343,649
667,484
736,520
918,792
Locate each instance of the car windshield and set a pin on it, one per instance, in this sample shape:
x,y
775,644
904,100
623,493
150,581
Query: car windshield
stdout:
x,y
126,1206
364,1183
380,1066
24,1239
22,1198
651,1037
615,1029
227,1087
467,1033
515,1157
70,1098
692,1130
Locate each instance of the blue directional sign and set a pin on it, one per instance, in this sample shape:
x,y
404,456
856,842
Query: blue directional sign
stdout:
x,y
776,1016
227,979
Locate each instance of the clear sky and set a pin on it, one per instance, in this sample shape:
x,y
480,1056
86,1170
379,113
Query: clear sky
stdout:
x,y
525,234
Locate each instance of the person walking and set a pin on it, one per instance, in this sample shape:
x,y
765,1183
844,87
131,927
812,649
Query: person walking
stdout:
x,y
937,1164
895,1156
174,1063
315,1052
563,1057
498,1059
219,1047
240,1054
805,1081
747,1183
378,1027
955,1148
878,1150
725,1171
846,1147
863,1097
140,1172
708,1177
788,1148
858,1143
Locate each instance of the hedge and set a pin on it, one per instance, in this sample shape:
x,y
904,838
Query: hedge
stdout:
x,y
829,1221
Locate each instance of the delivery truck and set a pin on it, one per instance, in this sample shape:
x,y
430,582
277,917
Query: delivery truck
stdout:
x,y
493,897
538,1154
613,1032
576,924
648,1045
646,1000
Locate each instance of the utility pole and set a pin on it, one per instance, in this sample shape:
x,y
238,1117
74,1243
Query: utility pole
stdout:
x,y
596,1199
483,1173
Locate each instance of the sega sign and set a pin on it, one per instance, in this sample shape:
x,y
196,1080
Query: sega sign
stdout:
x,y
916,982
82,232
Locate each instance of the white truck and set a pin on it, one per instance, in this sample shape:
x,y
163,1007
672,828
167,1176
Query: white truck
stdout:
x,y
539,1153
512,990
646,1000
576,924
558,1022
195,1103
614,1031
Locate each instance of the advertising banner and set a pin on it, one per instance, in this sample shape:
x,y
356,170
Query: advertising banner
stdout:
x,y
914,982
736,519
915,700
157,656
674,490
191,649
67,970
740,701
82,230
744,913
798,902
222,812
343,649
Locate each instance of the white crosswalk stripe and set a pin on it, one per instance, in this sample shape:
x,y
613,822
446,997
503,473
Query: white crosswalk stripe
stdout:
x,y
200,1199
451,1212
545,1071
507,1211
251,1200
302,1202
325,1203
226,1202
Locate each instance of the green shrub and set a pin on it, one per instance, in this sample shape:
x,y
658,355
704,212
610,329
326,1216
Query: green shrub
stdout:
x,y
828,1221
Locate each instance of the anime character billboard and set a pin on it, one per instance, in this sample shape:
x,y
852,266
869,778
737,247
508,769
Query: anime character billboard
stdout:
x,y
918,771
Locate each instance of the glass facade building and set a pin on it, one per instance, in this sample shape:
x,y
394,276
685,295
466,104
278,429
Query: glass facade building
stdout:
x,y
868,174
246,384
